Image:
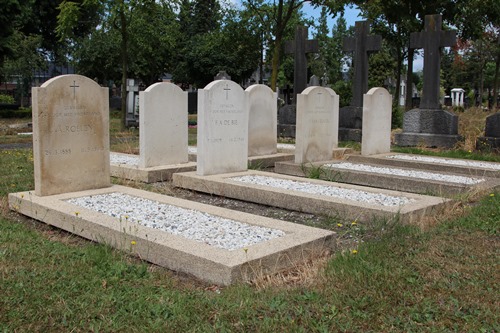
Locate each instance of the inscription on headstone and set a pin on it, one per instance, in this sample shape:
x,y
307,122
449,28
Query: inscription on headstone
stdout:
x,y
70,135
222,128
317,125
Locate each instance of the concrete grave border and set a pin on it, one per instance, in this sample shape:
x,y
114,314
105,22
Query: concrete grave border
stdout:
x,y
208,263
389,182
383,159
310,203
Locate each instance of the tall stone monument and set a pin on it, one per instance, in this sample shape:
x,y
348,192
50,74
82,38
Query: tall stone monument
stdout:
x,y
300,47
351,117
430,125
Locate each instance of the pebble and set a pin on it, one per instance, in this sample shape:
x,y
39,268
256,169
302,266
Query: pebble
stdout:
x,y
378,199
406,173
192,224
472,164
124,159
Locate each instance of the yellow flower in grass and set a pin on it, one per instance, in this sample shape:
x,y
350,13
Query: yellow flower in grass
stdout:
x,y
492,194
354,251
77,213
133,242
354,223
340,225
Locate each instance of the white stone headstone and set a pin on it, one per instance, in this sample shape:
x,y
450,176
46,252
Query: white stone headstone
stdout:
x,y
222,128
70,135
163,125
317,125
262,120
377,115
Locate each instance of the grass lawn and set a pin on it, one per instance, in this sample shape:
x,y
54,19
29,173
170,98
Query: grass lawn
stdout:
x,y
442,278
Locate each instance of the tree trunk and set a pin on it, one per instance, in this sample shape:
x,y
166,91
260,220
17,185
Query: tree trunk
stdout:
x,y
495,80
409,80
397,92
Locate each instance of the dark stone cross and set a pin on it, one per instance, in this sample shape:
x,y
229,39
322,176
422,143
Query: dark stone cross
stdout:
x,y
361,44
300,47
431,40
74,86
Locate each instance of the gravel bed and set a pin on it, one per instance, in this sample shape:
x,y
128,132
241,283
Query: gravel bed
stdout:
x,y
124,159
406,173
285,146
325,190
192,224
192,150
472,164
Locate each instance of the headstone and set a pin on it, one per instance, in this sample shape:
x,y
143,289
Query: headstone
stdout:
x,y
132,116
361,44
491,138
163,131
313,81
222,128
317,125
70,135
300,47
377,114
222,75
430,125
262,120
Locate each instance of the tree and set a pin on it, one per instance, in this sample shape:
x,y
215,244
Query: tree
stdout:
x,y
280,13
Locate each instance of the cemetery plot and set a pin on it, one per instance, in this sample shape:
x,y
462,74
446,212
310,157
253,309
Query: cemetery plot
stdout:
x,y
214,244
126,166
314,196
433,163
391,177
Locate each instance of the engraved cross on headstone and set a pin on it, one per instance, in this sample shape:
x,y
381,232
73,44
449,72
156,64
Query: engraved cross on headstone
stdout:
x,y
300,47
361,44
431,40
227,91
74,86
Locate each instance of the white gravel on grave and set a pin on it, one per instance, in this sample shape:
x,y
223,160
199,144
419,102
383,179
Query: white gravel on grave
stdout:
x,y
406,173
285,146
472,164
124,159
192,224
378,199
192,150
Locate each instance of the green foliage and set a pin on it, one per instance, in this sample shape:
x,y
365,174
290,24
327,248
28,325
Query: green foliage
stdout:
x,y
397,117
6,99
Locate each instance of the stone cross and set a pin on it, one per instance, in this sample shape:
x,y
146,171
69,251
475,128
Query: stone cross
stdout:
x,y
431,40
361,44
74,86
300,47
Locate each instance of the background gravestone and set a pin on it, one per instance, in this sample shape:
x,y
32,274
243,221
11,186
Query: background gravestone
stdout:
x,y
377,115
317,125
222,128
300,47
430,125
491,138
132,115
70,135
351,117
262,121
163,131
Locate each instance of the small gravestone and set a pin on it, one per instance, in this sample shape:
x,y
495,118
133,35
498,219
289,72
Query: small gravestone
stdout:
x,y
317,124
300,47
430,125
222,128
222,75
70,135
313,81
377,113
350,117
163,131
491,138
132,116
262,120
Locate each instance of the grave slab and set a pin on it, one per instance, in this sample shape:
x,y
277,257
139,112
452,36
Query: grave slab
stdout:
x,y
431,163
315,196
436,183
211,263
126,166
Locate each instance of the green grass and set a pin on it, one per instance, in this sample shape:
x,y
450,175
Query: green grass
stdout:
x,y
456,153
